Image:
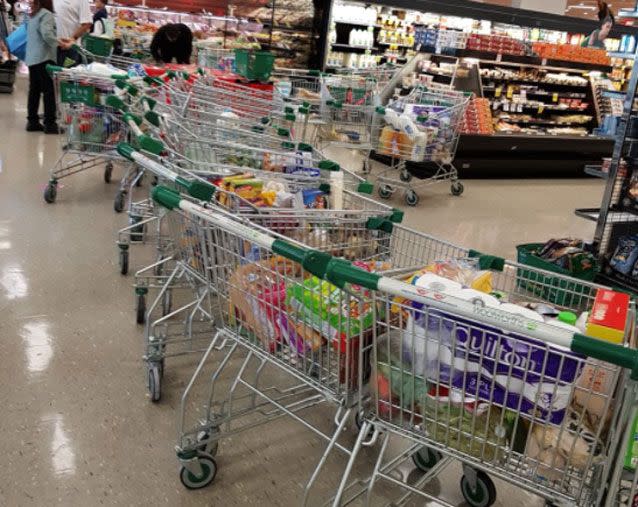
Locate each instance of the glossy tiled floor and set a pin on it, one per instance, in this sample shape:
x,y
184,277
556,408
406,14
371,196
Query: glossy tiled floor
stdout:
x,y
75,426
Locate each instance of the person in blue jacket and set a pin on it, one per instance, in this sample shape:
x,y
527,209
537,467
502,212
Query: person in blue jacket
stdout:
x,y
42,45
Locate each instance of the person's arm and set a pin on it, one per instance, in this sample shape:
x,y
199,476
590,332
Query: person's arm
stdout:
x,y
86,19
47,30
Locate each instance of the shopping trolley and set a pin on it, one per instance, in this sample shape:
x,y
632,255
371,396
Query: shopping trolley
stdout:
x,y
213,57
348,103
460,375
92,129
348,227
422,127
252,280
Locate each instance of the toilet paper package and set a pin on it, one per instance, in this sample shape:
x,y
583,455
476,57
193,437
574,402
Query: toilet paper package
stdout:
x,y
485,363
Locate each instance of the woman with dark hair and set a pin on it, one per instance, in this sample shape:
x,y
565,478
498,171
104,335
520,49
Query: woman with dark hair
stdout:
x,y
604,11
42,44
597,38
174,40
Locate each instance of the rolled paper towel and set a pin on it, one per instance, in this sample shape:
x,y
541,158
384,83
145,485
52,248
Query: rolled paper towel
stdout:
x,y
437,283
476,297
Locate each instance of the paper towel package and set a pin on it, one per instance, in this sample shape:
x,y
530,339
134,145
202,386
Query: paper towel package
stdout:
x,y
507,369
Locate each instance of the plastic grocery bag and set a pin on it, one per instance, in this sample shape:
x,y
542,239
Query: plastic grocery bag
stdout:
x,y
17,41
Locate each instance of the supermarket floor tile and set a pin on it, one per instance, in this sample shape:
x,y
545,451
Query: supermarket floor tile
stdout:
x,y
76,427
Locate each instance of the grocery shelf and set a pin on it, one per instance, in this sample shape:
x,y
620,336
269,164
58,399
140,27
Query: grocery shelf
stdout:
x,y
347,48
530,61
355,23
616,54
395,44
596,171
531,82
615,217
540,122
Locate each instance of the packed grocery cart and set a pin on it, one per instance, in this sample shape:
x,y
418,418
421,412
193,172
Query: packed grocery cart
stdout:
x,y
304,195
493,369
423,126
91,128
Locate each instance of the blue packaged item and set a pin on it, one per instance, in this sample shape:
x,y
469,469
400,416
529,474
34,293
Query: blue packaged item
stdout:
x,y
17,42
312,172
314,199
625,255
136,70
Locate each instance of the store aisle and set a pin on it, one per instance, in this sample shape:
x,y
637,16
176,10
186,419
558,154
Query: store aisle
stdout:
x,y
76,428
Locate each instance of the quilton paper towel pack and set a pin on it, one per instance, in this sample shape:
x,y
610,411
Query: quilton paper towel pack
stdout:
x,y
487,364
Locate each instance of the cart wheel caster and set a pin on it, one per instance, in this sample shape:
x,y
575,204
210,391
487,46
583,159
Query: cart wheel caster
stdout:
x,y
411,198
167,303
118,204
405,176
425,458
140,309
108,172
358,421
209,447
457,188
154,382
50,193
385,191
485,494
137,233
124,262
209,470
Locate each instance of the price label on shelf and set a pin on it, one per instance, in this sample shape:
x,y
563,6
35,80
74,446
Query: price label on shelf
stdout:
x,y
543,62
540,109
555,97
510,91
498,91
499,57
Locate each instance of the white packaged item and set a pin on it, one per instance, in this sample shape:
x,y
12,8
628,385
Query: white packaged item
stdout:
x,y
392,118
476,297
437,283
419,147
336,190
407,126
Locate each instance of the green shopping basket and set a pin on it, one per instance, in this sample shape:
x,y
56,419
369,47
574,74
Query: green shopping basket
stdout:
x,y
553,289
98,46
254,65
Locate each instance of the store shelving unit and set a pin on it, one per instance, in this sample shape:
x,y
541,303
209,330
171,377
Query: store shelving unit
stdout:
x,y
617,216
289,30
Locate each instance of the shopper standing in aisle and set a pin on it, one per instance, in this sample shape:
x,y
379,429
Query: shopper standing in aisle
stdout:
x,y
74,19
42,44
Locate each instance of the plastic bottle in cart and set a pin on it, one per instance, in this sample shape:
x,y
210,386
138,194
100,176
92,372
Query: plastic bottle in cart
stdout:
x,y
419,147
392,118
407,126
